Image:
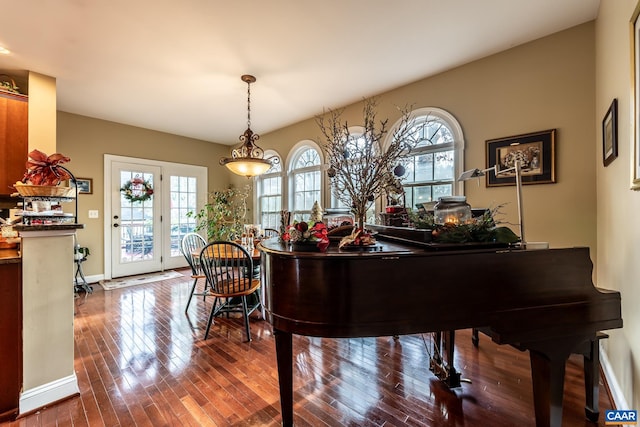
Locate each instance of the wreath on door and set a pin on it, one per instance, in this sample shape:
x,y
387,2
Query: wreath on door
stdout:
x,y
137,190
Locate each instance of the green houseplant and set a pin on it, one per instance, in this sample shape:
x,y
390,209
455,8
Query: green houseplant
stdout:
x,y
223,216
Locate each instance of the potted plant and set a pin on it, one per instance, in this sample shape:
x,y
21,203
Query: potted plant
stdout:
x,y
223,217
80,253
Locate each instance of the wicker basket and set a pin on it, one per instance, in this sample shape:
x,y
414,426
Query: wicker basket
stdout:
x,y
44,190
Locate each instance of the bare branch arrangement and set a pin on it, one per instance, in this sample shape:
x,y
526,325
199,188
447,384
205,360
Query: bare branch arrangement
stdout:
x,y
360,167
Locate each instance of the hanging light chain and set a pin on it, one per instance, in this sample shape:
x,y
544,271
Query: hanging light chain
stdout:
x,y
248,159
249,104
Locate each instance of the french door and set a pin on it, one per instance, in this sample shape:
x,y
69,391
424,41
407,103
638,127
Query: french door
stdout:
x,y
143,236
136,232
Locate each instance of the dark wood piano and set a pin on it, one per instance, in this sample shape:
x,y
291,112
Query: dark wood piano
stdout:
x,y
543,301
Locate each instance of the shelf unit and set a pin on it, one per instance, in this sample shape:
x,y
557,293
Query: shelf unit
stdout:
x,y
46,217
51,217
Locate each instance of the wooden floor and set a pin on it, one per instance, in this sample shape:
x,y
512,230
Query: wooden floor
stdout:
x,y
141,361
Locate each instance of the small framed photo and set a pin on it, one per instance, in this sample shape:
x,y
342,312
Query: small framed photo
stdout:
x,y
634,31
85,185
610,134
535,151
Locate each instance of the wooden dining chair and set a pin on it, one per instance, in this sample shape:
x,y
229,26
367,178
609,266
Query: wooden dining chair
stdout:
x,y
191,243
228,268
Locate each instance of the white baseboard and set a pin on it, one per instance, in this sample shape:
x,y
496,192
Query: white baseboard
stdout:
x,y
95,278
614,386
40,396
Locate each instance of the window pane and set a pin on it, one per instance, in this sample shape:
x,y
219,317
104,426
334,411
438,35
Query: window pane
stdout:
x,y
299,201
309,157
183,199
444,167
308,180
442,190
408,199
269,201
435,132
422,194
410,167
424,167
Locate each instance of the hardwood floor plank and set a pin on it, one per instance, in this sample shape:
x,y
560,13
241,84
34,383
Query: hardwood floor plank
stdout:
x,y
141,361
170,412
155,416
197,414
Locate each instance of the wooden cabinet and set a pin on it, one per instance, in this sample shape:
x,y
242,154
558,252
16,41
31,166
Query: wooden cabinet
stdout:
x,y
10,338
14,139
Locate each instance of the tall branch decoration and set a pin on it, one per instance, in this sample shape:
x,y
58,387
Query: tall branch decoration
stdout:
x,y
360,168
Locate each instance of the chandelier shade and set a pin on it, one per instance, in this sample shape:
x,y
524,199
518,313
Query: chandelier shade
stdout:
x,y
246,167
247,159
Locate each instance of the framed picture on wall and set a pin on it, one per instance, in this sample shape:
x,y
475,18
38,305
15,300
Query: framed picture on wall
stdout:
x,y
535,151
634,31
610,134
85,185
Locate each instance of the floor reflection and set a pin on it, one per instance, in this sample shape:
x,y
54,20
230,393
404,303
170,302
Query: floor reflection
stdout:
x,y
138,339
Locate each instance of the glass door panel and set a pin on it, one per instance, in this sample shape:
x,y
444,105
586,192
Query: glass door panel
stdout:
x,y
136,231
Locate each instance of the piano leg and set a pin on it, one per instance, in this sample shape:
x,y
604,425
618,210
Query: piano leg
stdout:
x,y
592,376
284,356
548,386
475,337
441,363
453,379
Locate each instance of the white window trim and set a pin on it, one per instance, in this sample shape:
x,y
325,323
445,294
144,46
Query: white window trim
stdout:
x,y
292,157
458,139
257,214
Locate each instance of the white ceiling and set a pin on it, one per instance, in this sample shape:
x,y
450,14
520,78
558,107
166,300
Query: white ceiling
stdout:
x,y
175,66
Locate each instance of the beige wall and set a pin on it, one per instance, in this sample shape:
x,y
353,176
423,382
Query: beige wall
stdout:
x,y
541,85
85,140
42,113
618,263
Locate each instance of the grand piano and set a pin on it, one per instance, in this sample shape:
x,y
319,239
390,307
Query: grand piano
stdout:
x,y
543,301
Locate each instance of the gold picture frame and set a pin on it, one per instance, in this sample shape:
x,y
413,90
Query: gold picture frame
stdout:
x,y
634,33
85,185
610,134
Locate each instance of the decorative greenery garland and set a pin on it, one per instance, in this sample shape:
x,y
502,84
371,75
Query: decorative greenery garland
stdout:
x,y
481,229
137,190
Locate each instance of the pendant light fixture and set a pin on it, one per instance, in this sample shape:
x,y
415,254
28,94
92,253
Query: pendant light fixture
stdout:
x,y
248,159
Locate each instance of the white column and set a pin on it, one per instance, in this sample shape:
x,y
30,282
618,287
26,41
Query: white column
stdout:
x,y
48,310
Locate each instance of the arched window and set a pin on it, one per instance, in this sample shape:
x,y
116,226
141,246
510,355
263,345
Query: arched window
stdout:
x,y
305,180
436,162
269,193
